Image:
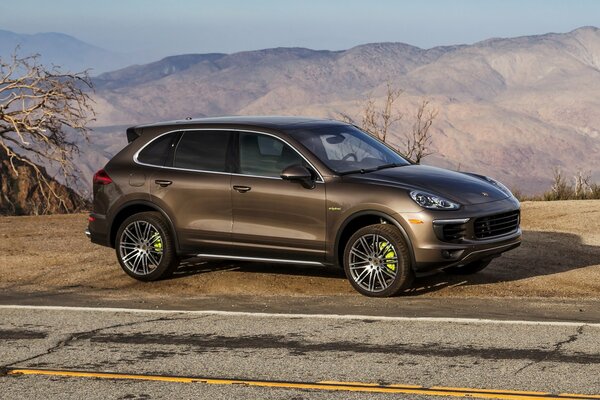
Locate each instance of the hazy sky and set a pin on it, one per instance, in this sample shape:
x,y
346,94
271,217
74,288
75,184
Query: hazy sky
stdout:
x,y
158,28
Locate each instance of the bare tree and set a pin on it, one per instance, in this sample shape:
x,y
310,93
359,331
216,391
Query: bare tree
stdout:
x,y
560,189
583,189
378,121
37,107
418,141
582,185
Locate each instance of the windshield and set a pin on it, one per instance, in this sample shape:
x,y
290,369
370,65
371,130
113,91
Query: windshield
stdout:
x,y
346,149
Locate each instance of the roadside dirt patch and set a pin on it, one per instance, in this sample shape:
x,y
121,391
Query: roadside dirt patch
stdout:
x,y
559,257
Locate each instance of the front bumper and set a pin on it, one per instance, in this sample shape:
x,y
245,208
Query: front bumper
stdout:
x,y
439,257
431,253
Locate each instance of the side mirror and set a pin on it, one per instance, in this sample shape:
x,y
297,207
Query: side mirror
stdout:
x,y
298,173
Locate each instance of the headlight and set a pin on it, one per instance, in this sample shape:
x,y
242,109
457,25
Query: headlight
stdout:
x,y
499,185
431,201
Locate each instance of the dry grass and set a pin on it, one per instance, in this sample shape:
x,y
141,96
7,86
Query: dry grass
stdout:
x,y
560,257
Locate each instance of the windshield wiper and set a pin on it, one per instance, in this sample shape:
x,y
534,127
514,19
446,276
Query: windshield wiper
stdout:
x,y
373,169
390,165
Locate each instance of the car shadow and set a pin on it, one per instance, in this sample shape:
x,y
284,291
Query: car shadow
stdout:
x,y
541,253
194,266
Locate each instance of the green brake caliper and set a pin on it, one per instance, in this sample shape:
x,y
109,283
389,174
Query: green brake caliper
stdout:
x,y
158,246
390,254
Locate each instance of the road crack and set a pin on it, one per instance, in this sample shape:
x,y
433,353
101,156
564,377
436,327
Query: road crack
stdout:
x,y
69,338
556,349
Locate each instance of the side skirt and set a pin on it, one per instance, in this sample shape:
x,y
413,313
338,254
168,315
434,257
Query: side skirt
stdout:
x,y
269,260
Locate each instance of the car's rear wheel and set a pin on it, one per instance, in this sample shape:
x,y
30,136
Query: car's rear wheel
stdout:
x,y
377,262
470,268
145,247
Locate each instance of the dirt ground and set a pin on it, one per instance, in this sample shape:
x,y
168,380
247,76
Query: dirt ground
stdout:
x,y
559,258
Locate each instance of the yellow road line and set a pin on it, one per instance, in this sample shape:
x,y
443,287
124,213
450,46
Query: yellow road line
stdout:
x,y
325,385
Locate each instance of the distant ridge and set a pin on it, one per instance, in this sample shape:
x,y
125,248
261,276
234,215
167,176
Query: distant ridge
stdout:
x,y
138,74
63,50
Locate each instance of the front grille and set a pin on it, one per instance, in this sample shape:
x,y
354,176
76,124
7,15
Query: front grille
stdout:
x,y
453,232
496,225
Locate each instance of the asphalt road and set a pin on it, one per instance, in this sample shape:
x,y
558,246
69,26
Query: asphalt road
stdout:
x,y
222,355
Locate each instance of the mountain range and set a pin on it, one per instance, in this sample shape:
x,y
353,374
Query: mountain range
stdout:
x,y
511,108
70,53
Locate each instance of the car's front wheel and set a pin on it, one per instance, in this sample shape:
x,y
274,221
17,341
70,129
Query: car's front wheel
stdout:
x,y
145,247
377,262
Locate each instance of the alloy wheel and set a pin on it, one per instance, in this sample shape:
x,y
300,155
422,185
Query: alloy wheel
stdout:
x,y
141,247
373,262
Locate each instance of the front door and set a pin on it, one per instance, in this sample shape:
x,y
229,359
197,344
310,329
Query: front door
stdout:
x,y
273,218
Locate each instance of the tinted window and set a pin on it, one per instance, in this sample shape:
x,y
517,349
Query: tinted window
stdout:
x,y
344,148
203,150
157,152
265,156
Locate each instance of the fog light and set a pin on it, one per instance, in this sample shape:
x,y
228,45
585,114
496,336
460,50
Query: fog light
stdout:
x,y
452,254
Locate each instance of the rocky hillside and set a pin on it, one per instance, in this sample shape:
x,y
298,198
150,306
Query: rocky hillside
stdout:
x,y
511,108
21,195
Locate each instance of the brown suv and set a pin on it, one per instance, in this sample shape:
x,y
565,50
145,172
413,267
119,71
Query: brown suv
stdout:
x,y
294,190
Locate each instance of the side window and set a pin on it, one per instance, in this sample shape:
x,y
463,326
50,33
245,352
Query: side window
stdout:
x,y
157,151
203,150
264,155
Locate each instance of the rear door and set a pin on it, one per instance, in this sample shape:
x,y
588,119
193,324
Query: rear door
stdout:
x,y
195,189
273,218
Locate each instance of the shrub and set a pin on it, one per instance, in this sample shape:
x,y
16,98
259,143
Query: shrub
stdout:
x,y
581,190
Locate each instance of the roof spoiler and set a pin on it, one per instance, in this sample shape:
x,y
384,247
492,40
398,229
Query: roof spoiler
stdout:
x,y
133,133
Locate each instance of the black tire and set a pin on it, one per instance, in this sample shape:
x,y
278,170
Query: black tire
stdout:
x,y
153,256
470,268
378,273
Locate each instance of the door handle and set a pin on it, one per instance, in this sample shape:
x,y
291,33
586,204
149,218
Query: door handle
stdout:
x,y
163,182
242,189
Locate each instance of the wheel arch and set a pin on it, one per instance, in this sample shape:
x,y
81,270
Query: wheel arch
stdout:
x,y
135,207
361,219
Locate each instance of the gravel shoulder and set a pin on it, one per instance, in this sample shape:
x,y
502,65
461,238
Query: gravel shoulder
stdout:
x,y
50,255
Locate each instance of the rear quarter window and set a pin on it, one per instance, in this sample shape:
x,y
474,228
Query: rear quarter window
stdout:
x,y
157,151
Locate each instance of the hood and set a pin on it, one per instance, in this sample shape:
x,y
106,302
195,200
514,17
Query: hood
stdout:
x,y
459,187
